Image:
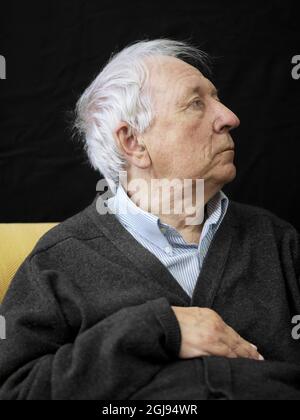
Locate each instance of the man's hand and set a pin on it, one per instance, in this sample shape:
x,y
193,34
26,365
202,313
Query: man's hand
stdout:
x,y
204,333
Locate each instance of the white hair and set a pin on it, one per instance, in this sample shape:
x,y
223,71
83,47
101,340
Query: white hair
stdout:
x,y
120,93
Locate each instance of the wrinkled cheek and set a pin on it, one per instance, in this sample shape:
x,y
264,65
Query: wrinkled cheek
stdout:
x,y
206,155
162,163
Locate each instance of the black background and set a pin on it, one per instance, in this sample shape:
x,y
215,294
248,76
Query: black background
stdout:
x,y
55,48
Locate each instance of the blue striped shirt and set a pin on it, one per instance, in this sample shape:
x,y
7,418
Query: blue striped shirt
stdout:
x,y
182,259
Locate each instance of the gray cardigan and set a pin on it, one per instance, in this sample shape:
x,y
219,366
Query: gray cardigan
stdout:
x,y
89,314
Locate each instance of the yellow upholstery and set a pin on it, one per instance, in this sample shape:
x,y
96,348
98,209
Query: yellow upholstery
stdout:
x,y
17,240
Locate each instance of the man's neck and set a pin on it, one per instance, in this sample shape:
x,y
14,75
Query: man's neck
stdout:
x,y
191,232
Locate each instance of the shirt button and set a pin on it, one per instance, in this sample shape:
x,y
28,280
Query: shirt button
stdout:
x,y
168,250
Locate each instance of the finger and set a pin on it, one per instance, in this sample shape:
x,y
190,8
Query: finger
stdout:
x,y
222,350
244,351
253,350
240,346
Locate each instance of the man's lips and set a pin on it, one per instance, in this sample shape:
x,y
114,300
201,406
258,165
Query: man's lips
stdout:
x,y
230,146
227,150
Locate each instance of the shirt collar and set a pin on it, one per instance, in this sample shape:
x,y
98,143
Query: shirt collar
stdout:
x,y
149,226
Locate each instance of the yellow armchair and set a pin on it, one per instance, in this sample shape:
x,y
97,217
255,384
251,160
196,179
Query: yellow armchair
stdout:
x,y
17,240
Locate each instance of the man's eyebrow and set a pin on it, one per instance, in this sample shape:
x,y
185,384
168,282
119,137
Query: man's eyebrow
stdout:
x,y
197,89
215,92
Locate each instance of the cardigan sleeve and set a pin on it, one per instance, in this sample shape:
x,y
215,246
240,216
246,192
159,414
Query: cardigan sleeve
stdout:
x,y
41,359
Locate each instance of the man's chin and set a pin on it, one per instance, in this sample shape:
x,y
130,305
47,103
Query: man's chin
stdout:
x,y
232,172
227,174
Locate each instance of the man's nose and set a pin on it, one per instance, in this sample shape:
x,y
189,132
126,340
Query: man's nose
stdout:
x,y
225,120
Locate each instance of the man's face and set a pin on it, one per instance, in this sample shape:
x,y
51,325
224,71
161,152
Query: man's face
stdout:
x,y
189,138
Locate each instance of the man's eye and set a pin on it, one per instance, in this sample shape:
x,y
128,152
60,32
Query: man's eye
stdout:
x,y
197,103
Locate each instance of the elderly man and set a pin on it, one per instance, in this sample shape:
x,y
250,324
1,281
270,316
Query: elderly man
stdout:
x,y
141,304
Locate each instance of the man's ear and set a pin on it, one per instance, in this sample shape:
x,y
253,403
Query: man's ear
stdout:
x,y
132,146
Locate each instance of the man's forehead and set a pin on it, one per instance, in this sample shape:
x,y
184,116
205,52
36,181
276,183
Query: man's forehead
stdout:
x,y
200,85
172,76
173,69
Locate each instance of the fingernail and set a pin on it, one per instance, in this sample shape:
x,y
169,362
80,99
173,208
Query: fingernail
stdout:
x,y
261,358
254,346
